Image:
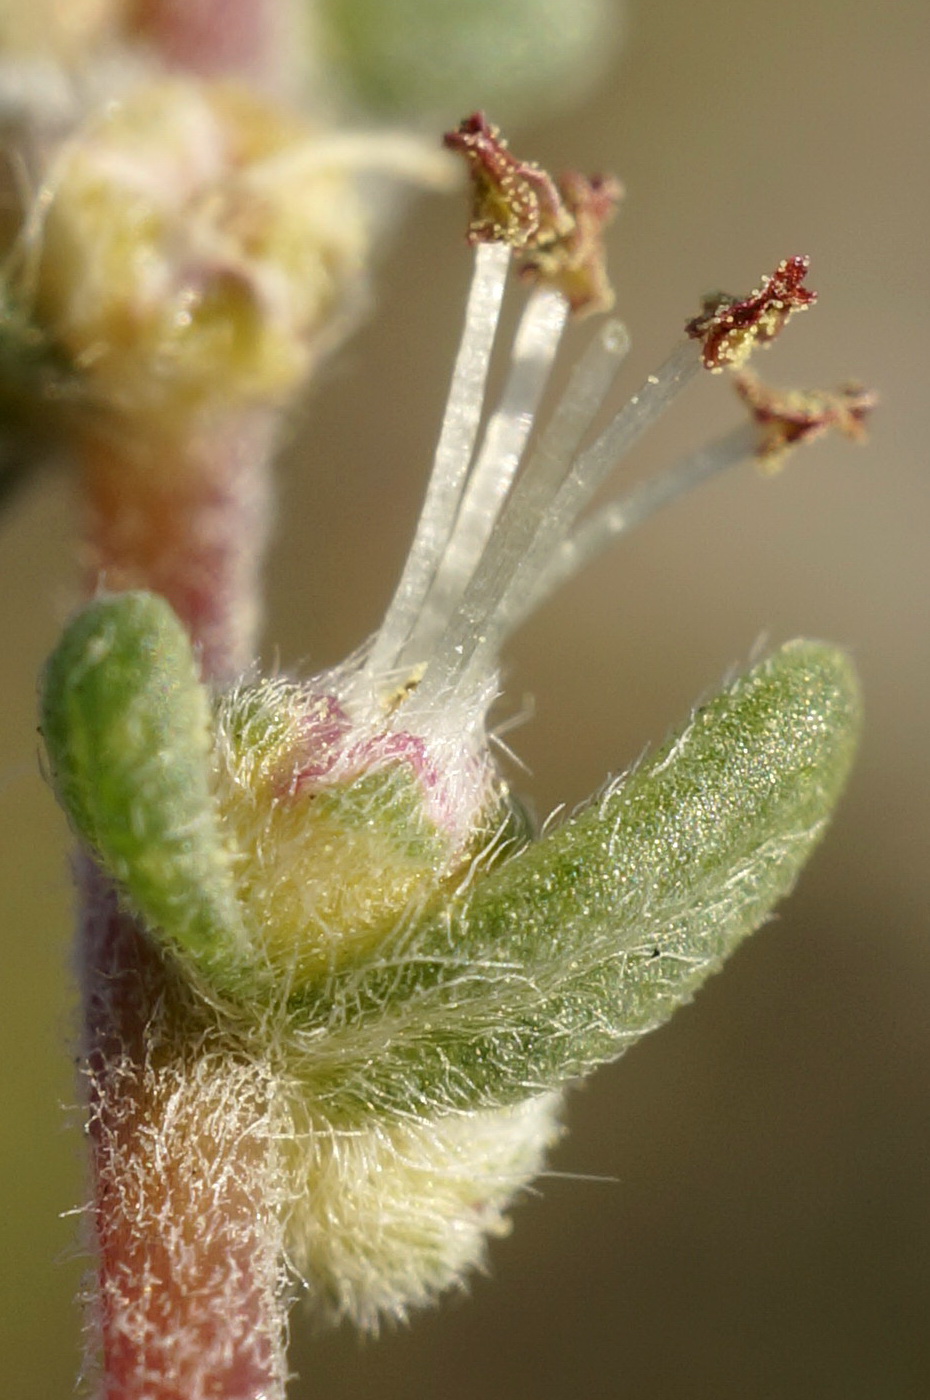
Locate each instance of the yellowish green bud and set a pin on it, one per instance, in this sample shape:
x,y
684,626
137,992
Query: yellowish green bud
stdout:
x,y
192,253
345,832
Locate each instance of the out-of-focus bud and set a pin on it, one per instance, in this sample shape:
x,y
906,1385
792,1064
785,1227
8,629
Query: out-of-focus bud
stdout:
x,y
409,58
194,252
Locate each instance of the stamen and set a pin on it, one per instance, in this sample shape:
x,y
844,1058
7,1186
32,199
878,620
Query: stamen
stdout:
x,y
513,201
533,494
780,421
453,454
787,417
490,548
505,439
472,629
556,227
473,642
593,535
729,328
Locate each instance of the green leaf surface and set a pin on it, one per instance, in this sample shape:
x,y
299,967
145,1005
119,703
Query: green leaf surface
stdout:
x,y
127,725
565,955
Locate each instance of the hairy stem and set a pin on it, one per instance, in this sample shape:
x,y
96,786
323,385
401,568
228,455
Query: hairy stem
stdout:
x,y
185,517
190,1299
190,1292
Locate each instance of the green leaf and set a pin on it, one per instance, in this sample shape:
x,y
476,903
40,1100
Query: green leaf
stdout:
x,y
565,955
127,725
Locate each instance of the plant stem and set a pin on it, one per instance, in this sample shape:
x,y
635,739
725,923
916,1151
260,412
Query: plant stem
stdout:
x,y
186,516
190,1294
242,38
190,1298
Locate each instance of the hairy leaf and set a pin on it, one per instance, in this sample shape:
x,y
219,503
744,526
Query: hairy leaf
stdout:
x,y
126,722
584,941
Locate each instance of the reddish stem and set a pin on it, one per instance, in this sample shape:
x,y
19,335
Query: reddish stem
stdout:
x,y
187,518
213,38
189,1302
189,1299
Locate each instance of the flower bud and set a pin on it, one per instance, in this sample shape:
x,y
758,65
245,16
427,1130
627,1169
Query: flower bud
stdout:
x,y
188,257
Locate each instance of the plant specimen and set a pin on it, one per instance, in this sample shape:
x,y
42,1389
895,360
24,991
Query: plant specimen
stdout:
x,y
335,985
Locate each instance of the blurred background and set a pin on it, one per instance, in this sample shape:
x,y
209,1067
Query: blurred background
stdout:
x,y
742,1206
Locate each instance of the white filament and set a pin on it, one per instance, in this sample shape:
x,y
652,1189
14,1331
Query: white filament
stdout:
x,y
453,455
514,532
492,474
588,473
491,546
492,612
594,535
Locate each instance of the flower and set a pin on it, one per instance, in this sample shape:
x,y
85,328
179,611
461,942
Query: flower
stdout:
x,y
352,898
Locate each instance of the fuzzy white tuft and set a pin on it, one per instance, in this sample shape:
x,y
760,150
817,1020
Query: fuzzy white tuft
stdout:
x,y
394,1213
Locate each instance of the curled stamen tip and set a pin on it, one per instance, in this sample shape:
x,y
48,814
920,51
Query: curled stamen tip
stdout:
x,y
574,262
730,328
513,201
787,417
555,227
